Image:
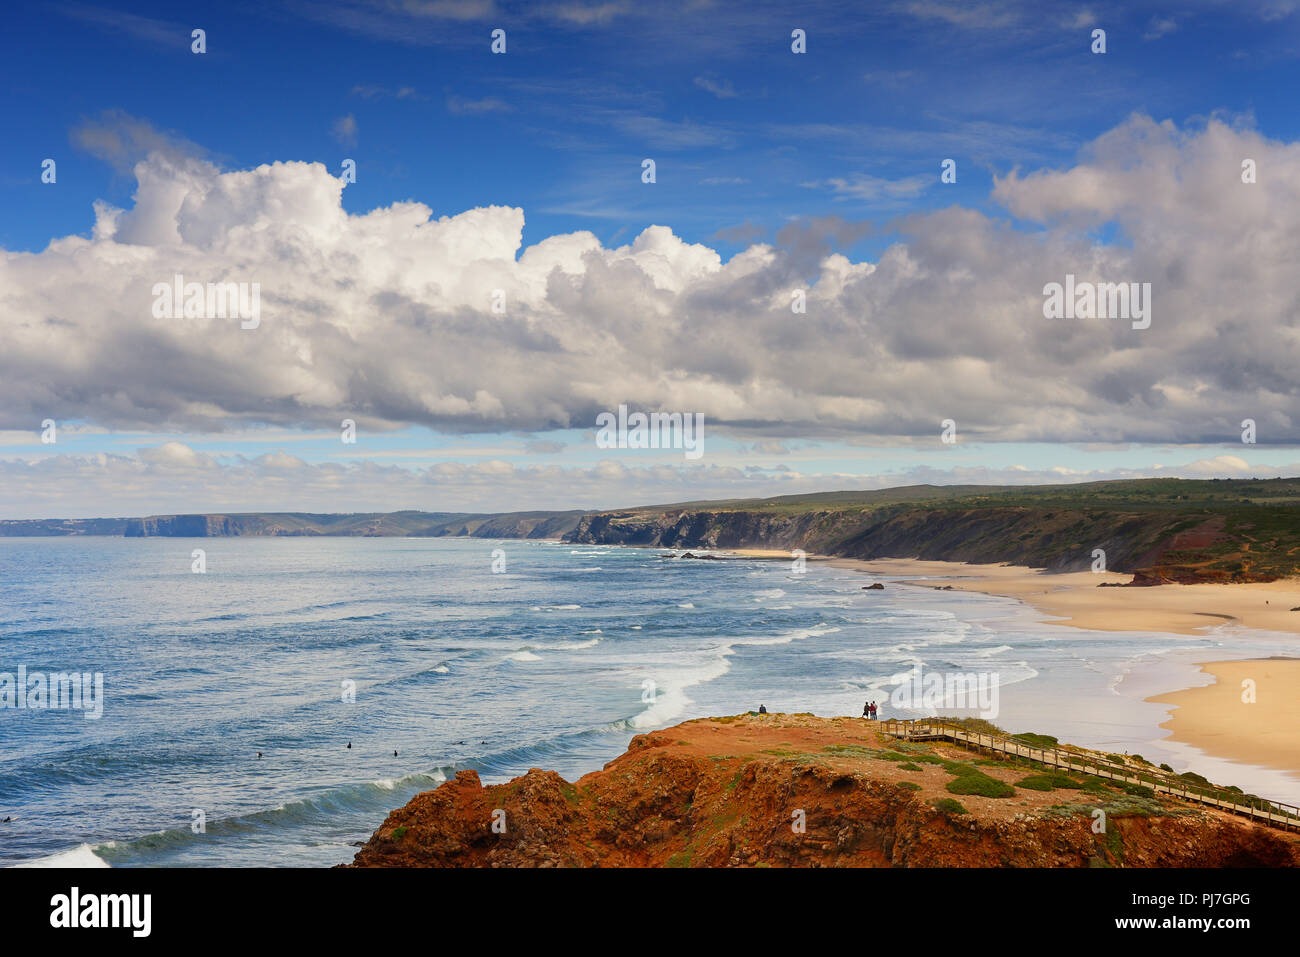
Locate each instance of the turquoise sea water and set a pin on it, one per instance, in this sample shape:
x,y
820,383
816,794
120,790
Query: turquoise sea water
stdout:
x,y
555,663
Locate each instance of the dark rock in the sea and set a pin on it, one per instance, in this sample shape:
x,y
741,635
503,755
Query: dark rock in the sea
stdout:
x,y
1147,579
875,586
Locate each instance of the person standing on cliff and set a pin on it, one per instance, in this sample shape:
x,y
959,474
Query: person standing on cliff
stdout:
x,y
866,709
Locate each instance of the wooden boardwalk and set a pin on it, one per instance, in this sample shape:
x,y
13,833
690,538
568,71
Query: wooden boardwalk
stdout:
x,y
1273,813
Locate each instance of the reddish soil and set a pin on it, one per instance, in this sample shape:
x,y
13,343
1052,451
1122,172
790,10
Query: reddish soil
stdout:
x,y
721,792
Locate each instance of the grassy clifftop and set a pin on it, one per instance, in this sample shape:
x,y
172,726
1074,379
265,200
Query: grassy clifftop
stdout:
x,y
1159,529
795,790
297,524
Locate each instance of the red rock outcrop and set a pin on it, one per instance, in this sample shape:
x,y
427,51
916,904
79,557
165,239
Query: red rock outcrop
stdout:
x,y
733,792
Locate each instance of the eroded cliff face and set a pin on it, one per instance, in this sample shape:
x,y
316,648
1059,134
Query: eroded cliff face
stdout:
x,y
369,525
1060,541
708,529
1151,545
730,792
182,526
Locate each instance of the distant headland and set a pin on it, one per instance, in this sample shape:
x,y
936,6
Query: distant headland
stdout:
x,y
1158,530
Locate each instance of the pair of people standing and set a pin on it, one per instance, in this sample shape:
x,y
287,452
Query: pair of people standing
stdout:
x,y
869,710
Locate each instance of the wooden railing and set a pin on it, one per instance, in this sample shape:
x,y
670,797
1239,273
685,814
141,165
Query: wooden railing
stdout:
x,y
1274,813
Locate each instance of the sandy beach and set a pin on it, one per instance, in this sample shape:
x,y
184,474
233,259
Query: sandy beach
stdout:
x,y
1250,713
1213,719
1074,598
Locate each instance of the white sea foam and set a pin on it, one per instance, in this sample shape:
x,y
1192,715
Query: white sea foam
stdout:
x,y
671,700
816,631
670,697
83,856
1015,673
914,614
946,637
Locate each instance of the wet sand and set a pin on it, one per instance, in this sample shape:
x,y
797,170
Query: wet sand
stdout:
x,y
1222,720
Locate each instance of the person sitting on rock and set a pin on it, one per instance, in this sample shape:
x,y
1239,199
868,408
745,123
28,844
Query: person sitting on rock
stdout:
x,y
762,709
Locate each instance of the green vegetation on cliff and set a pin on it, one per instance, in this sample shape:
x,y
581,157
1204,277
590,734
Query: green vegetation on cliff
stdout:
x,y
1159,529
360,524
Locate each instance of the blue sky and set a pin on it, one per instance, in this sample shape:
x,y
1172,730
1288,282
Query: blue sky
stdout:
x,y
742,131
835,150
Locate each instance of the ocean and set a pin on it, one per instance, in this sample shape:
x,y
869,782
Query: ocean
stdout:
x,y
299,647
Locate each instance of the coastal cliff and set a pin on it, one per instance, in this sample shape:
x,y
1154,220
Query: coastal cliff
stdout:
x,y
801,791
1159,530
364,525
1060,541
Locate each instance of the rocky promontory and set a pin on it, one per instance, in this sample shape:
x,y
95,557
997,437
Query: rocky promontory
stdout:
x,y
775,790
